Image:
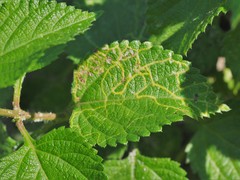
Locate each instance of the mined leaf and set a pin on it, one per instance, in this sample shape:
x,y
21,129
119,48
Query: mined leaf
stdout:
x,y
176,24
62,153
6,142
214,152
119,20
128,90
29,28
137,166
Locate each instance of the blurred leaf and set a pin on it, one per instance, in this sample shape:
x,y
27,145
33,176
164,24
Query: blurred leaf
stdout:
x,y
120,20
176,24
234,6
207,49
137,166
231,51
7,144
214,152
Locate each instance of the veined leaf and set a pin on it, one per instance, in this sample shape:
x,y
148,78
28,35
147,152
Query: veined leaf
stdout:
x,y
214,152
128,90
120,19
61,153
29,27
137,166
6,143
176,24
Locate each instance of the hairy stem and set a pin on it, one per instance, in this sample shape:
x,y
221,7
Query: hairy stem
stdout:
x,y
17,93
28,139
18,113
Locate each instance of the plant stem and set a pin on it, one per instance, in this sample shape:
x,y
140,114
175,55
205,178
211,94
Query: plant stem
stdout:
x,y
44,116
17,93
18,113
28,139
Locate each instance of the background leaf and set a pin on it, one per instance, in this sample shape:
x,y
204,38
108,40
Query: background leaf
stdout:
x,y
176,24
214,152
234,6
231,51
137,166
29,28
118,20
7,144
128,90
60,153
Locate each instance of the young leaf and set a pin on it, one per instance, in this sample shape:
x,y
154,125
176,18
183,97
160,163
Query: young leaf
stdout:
x,y
120,19
137,166
214,152
176,24
6,143
128,90
61,153
29,28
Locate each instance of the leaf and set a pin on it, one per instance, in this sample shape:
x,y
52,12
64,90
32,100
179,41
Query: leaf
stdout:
x,y
137,166
61,153
214,151
7,144
176,24
207,49
231,51
234,6
110,26
128,90
29,28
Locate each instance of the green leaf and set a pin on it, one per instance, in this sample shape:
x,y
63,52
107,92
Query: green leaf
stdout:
x,y
231,51
214,152
234,6
61,153
119,20
6,142
29,28
207,49
137,166
128,90
176,24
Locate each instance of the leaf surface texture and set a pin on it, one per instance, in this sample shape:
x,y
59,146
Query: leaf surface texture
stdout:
x,y
127,90
29,27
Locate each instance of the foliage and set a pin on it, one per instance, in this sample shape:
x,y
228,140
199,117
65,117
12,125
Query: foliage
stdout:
x,y
145,66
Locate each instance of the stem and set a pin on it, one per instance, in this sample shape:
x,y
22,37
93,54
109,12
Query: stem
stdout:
x,y
44,116
18,113
28,139
17,93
